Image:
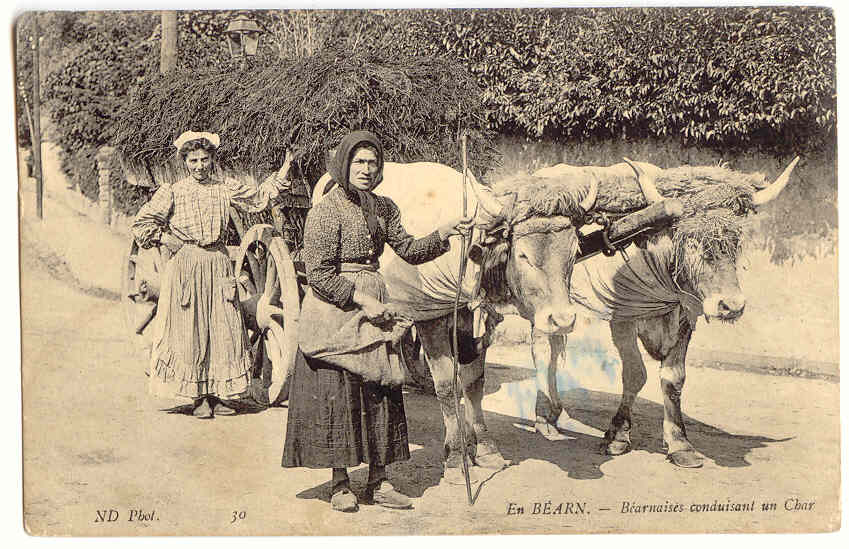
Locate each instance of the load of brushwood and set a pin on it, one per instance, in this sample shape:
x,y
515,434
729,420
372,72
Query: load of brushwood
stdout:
x,y
700,188
417,106
716,201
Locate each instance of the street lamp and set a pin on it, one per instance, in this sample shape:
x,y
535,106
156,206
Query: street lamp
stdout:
x,y
243,36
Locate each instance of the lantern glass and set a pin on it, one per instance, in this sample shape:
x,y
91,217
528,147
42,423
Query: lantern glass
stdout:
x,y
250,41
234,43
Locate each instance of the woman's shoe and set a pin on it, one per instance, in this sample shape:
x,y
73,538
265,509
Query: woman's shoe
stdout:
x,y
344,501
221,409
385,495
203,411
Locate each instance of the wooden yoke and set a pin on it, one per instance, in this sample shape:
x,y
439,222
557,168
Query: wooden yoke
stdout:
x,y
620,233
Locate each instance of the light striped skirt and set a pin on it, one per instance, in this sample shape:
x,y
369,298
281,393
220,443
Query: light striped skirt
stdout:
x,y
200,344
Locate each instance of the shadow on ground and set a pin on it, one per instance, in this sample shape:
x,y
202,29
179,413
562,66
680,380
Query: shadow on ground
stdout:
x,y
581,457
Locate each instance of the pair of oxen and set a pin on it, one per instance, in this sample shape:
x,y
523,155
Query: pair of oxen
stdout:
x,y
525,250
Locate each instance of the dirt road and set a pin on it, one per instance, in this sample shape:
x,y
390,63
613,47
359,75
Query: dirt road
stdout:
x,y
101,457
97,448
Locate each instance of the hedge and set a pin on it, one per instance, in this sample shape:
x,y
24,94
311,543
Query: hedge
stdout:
x,y
729,79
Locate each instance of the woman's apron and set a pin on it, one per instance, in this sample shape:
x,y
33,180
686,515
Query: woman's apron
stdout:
x,y
346,337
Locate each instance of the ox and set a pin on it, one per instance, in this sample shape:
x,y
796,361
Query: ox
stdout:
x,y
523,256
659,290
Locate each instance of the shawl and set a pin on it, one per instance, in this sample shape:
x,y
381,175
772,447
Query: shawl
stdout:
x,y
340,170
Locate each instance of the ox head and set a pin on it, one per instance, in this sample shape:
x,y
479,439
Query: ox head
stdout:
x,y
529,249
706,241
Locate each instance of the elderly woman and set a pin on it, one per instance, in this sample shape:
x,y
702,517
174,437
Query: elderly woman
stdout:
x,y
345,405
200,348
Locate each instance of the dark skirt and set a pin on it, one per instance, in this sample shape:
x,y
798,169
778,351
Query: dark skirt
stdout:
x,y
338,420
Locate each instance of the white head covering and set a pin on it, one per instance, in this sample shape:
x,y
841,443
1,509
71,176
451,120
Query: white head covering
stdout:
x,y
191,136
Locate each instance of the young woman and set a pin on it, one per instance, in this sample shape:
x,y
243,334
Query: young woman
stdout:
x,y
345,405
200,347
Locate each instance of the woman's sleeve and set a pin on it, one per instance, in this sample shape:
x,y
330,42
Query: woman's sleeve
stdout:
x,y
321,255
153,217
247,198
408,248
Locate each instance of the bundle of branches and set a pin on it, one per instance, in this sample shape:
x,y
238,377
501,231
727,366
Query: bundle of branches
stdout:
x,y
700,188
417,106
716,200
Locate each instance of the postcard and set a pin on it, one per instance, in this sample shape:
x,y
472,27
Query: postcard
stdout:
x,y
424,272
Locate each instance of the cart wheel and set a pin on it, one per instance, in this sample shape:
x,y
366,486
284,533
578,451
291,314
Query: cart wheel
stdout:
x,y
415,362
271,308
140,282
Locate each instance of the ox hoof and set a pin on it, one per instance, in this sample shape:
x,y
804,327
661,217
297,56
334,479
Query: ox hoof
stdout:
x,y
686,458
550,432
617,448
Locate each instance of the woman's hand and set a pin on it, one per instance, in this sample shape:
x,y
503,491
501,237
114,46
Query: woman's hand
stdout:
x,y
458,226
375,310
291,156
170,242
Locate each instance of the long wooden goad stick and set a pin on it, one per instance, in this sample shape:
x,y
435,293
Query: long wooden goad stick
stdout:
x,y
461,424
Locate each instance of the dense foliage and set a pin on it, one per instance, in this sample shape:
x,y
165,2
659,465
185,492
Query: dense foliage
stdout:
x,y
104,55
738,81
729,77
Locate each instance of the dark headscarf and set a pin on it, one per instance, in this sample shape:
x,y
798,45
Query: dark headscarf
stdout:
x,y
340,169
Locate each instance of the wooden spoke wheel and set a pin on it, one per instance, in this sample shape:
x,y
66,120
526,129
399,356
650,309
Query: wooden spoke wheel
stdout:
x,y
415,362
268,291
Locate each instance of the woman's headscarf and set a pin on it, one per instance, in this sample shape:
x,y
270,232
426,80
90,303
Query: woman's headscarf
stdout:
x,y
340,169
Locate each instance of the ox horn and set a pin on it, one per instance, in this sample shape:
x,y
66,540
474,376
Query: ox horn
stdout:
x,y
589,201
765,195
645,182
486,199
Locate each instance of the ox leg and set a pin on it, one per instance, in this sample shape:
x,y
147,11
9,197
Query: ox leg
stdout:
x,y
672,376
438,352
486,453
546,351
617,439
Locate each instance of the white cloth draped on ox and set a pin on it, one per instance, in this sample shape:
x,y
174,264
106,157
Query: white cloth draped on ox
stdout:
x,y
611,288
427,291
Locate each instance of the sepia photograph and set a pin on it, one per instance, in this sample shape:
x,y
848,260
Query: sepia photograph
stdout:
x,y
427,271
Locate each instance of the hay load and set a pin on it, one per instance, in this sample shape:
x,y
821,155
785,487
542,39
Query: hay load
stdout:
x,y
416,106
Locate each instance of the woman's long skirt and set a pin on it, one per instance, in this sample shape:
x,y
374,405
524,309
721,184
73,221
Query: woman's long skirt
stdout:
x,y
201,346
338,420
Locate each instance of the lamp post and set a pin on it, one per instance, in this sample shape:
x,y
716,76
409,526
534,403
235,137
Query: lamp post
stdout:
x,y
243,35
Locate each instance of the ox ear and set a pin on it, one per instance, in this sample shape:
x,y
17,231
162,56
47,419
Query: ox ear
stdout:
x,y
478,250
765,195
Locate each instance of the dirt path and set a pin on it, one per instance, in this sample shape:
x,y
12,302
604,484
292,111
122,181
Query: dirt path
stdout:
x,y
95,441
96,445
